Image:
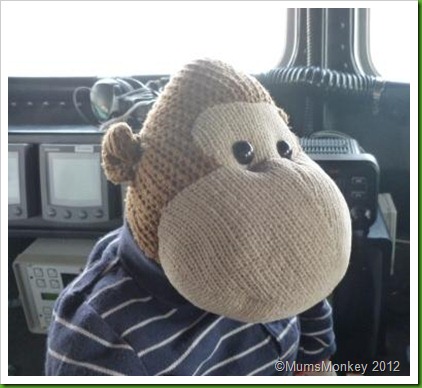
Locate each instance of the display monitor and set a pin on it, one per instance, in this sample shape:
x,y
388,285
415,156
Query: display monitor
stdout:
x,y
23,182
75,179
74,188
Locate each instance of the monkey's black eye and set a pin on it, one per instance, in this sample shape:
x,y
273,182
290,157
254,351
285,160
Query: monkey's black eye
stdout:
x,y
284,149
243,151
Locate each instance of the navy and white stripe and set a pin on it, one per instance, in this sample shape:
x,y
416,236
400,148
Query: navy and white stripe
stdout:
x,y
123,317
317,337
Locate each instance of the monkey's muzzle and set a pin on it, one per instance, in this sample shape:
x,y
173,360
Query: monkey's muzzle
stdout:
x,y
257,246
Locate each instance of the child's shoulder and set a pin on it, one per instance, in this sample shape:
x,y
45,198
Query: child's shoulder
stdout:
x,y
103,281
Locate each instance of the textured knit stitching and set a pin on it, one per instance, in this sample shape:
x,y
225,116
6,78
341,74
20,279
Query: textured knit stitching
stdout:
x,y
170,159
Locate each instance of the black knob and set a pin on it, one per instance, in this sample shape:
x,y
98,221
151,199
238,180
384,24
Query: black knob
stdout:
x,y
18,211
83,214
51,212
284,149
243,151
98,213
67,214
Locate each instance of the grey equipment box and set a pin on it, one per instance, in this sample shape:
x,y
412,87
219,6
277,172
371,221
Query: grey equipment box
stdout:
x,y
42,271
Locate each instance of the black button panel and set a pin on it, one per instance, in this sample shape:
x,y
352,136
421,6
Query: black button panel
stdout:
x,y
355,173
75,215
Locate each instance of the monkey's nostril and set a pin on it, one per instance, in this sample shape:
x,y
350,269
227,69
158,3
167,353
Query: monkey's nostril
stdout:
x,y
260,167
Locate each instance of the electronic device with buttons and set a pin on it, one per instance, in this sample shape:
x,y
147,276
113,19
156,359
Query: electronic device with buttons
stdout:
x,y
73,186
42,271
356,174
23,197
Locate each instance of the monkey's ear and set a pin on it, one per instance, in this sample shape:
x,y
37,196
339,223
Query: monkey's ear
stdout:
x,y
121,151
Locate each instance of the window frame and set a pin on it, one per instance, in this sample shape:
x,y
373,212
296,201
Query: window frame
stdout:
x,y
362,46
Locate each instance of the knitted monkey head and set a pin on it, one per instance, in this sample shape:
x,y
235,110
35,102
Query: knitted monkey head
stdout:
x,y
222,196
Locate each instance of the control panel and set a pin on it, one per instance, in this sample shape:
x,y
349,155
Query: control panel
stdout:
x,y
356,174
42,271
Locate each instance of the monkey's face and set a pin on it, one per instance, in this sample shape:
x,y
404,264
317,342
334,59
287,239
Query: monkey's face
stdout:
x,y
266,234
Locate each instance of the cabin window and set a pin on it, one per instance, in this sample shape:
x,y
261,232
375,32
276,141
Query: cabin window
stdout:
x,y
140,38
393,28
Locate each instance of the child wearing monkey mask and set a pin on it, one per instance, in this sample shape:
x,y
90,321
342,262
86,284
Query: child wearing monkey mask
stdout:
x,y
232,240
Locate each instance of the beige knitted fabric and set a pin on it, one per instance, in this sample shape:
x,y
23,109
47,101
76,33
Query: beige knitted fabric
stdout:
x,y
255,242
